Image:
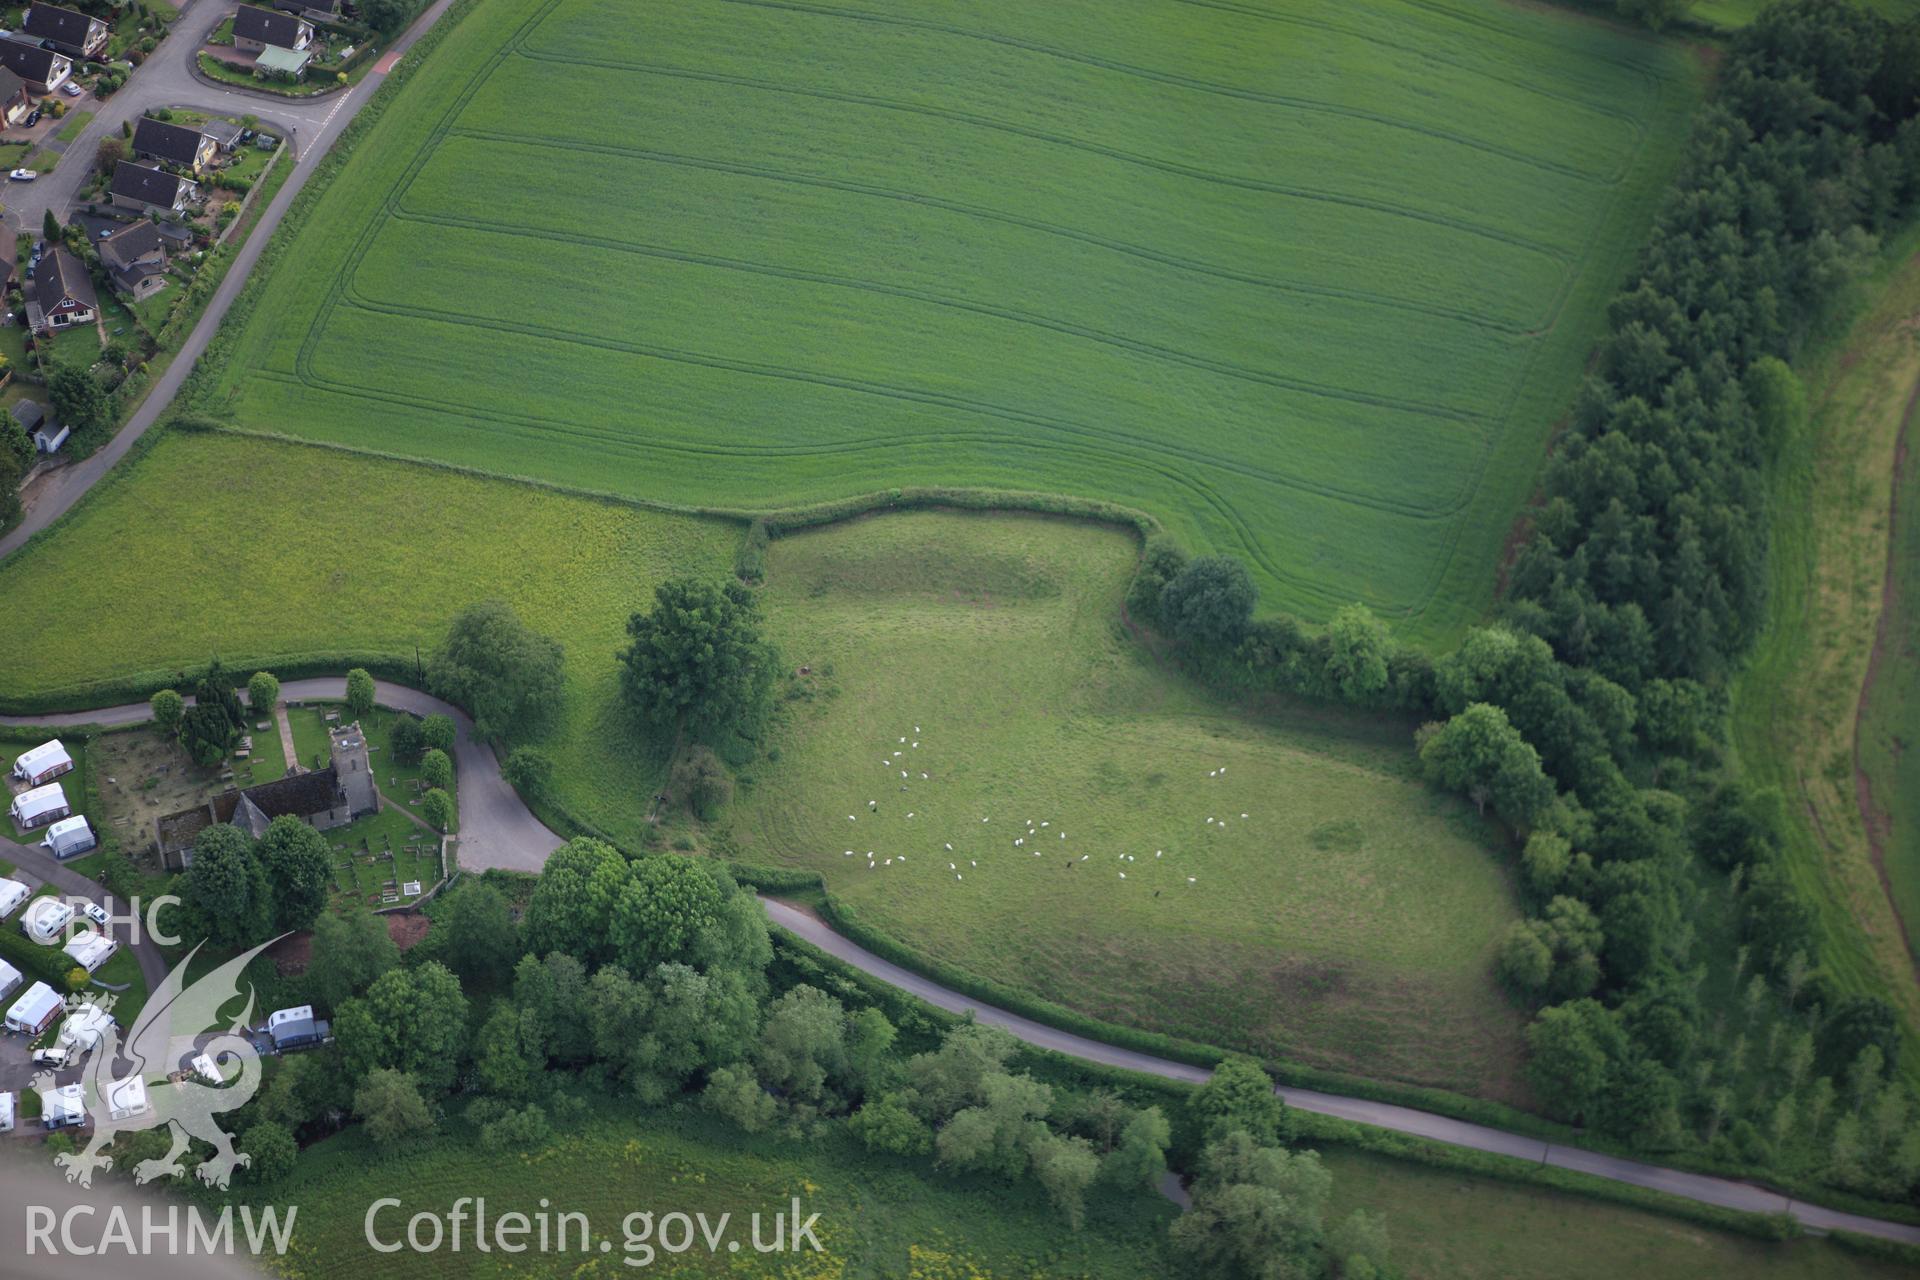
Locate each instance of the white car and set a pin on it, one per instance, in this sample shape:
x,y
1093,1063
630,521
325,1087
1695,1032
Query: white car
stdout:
x,y
96,913
72,90
51,1057
23,175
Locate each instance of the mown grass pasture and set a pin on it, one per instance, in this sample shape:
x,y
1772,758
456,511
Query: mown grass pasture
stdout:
x,y
1271,879
261,550
878,1216
1309,286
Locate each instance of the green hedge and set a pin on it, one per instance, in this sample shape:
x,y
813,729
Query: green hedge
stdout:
x,y
1878,1247
141,685
45,964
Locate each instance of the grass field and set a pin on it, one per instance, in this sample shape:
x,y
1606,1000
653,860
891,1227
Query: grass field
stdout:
x,y
309,550
1795,706
1310,286
1338,912
1439,1223
878,1218
1347,921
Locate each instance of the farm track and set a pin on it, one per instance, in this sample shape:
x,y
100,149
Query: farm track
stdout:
x,y
497,830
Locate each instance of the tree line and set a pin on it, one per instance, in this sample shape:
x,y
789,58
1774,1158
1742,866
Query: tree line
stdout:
x,y
1675,971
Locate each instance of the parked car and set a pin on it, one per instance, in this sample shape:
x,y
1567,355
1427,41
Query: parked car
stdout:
x,y
33,117
72,90
23,175
54,1056
96,913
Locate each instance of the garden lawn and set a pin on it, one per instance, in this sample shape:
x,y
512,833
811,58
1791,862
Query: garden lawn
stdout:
x,y
1313,900
75,122
1311,286
264,551
1447,1225
878,1216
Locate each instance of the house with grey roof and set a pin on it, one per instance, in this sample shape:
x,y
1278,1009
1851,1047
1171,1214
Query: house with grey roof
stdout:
x,y
75,34
147,190
43,70
256,29
135,259
174,144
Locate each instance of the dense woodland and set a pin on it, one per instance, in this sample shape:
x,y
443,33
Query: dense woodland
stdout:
x,y
1676,974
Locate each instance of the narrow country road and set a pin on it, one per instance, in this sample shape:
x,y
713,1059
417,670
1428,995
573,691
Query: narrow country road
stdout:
x,y
165,81
496,830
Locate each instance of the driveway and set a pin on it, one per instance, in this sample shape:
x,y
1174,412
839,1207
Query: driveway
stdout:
x,y
165,82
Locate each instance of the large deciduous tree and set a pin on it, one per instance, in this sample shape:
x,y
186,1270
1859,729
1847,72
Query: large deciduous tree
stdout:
x,y
1210,601
507,675
698,661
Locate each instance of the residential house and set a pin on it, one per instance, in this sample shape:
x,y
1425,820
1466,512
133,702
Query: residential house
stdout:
x,y
43,70
329,797
288,64
150,191
75,34
15,101
312,10
254,29
46,434
62,295
175,144
40,765
225,133
136,260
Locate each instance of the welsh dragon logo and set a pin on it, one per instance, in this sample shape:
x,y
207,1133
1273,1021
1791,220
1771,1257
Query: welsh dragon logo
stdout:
x,y
137,1084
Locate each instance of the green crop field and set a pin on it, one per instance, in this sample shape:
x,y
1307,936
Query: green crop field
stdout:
x,y
1439,1221
299,550
1273,881
878,1216
1310,285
